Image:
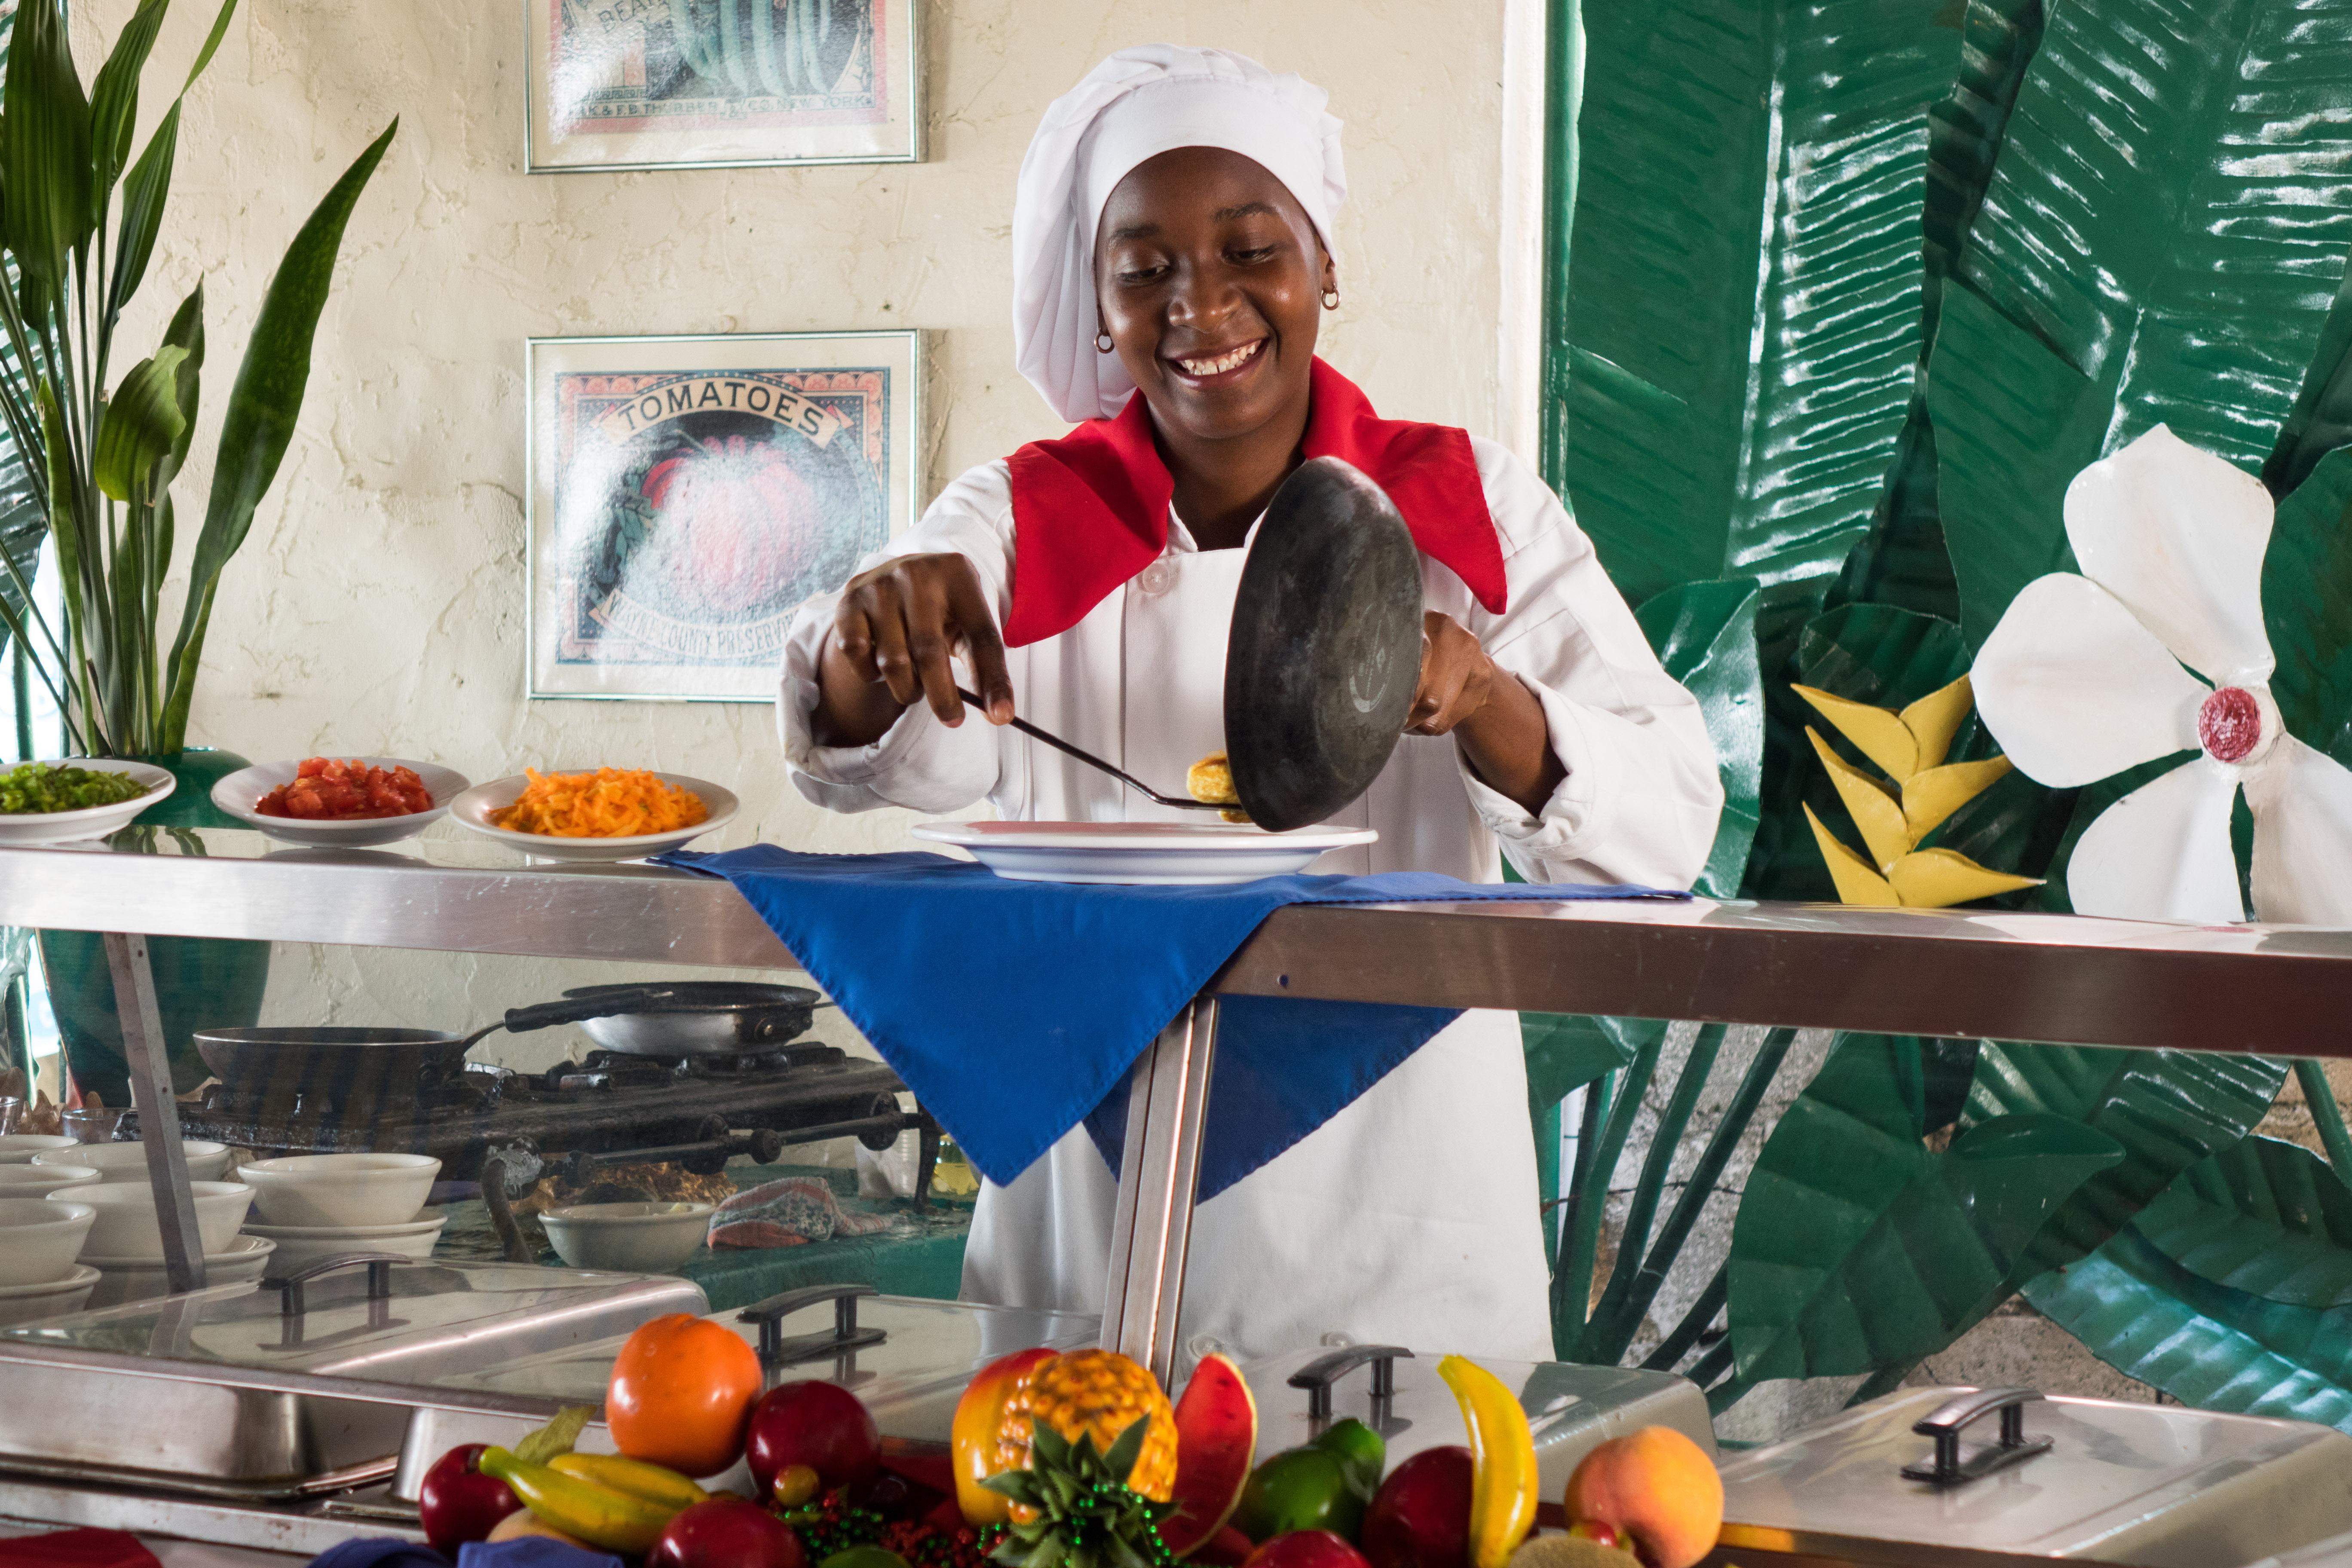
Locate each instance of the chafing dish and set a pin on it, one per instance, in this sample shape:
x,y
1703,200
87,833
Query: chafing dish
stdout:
x,y
1912,1481
146,1393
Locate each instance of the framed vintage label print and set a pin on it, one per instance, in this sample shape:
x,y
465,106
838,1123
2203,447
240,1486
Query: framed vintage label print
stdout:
x,y
675,84
688,493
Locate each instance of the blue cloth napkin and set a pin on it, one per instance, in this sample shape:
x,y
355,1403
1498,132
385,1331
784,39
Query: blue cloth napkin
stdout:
x,y
379,1552
1013,1010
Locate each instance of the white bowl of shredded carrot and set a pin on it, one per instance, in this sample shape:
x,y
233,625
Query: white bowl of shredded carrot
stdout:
x,y
595,814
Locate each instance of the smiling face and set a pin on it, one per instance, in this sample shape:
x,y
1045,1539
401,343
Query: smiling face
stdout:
x,y
1209,278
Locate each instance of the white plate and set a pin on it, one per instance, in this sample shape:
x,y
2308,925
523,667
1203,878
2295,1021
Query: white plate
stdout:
x,y
238,792
473,809
1161,853
298,1246
50,1298
241,1262
90,822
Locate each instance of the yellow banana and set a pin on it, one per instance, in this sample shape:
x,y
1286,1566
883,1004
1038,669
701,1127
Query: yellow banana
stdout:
x,y
634,1477
596,1514
1503,1453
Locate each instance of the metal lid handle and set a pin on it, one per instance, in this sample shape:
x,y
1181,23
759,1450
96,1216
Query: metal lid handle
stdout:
x,y
379,1286
1317,1375
846,1336
1948,1468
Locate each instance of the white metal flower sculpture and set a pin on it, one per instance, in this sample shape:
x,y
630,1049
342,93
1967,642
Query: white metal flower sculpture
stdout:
x,y
2083,678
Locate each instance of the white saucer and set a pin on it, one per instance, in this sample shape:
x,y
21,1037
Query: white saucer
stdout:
x,y
1146,854
90,821
474,808
49,1297
239,791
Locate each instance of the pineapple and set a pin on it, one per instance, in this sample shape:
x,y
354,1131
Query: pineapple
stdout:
x,y
1071,1510
1097,1394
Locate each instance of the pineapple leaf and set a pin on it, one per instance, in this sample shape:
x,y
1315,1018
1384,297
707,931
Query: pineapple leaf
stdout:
x,y
1049,1552
1064,1489
1048,1449
1120,1460
1021,1486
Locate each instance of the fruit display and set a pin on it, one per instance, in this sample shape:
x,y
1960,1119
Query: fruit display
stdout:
x,y
813,1426
681,1394
1654,1493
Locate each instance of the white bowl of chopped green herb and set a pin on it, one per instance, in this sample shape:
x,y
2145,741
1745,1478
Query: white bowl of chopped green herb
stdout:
x,y
80,798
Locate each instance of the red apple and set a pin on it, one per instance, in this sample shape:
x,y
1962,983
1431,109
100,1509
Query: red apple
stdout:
x,y
1229,1548
1420,1516
727,1532
1307,1549
820,1424
458,1503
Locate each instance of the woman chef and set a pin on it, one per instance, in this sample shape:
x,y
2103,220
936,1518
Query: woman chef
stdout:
x,y
1172,238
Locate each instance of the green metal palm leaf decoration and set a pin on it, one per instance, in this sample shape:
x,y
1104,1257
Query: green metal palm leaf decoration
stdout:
x,y
1743,290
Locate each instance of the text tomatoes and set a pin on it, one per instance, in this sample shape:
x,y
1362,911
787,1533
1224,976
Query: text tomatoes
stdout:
x,y
681,1394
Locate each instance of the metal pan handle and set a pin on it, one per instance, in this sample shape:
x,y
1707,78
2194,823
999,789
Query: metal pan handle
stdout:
x,y
1317,1375
1948,1468
846,1336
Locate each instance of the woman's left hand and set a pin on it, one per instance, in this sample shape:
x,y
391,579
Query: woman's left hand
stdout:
x,y
1494,718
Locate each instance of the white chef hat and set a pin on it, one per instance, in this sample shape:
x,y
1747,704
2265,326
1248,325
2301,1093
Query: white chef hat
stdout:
x,y
1136,105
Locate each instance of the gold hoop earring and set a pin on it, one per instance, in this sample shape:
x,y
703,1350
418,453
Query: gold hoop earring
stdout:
x,y
1103,344
1330,299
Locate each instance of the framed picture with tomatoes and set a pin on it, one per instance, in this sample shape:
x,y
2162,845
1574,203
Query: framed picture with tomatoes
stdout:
x,y
714,84
688,494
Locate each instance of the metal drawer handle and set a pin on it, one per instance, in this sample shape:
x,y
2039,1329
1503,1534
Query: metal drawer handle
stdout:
x,y
846,1336
1317,1375
1948,1468
379,1285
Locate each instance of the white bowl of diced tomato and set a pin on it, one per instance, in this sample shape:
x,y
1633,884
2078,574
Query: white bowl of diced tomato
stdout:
x,y
339,803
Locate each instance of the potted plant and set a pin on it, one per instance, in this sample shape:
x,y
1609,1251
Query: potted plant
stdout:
x,y
87,458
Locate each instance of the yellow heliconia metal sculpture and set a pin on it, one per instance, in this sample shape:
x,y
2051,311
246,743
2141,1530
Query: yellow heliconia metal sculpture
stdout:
x,y
1909,746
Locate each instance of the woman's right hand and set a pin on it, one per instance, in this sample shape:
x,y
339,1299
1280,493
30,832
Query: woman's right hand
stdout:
x,y
893,634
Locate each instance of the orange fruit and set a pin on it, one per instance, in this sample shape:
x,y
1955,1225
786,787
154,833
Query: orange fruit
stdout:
x,y
681,1394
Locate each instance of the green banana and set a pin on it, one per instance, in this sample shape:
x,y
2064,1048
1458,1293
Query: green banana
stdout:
x,y
596,1514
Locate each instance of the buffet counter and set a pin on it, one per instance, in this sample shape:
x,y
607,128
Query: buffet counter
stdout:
x,y
2004,976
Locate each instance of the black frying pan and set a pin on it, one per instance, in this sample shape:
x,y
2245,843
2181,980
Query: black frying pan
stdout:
x,y
1323,655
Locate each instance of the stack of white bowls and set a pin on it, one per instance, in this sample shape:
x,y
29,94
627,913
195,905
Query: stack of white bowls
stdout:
x,y
132,1269
124,1251
316,1205
18,1148
39,1239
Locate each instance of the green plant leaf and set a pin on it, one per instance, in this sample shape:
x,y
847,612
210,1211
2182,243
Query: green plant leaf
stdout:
x,y
141,426
2321,420
1705,634
1565,1052
114,98
187,333
262,407
145,196
1856,1247
45,162
1902,559
1743,293
557,1436
212,42
2308,602
2162,238
2205,1344
2262,1216
2168,1110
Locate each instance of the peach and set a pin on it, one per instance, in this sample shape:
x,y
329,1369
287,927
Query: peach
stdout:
x,y
1656,1491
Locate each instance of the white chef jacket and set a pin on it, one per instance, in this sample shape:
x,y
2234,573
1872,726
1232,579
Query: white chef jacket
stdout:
x,y
1411,1217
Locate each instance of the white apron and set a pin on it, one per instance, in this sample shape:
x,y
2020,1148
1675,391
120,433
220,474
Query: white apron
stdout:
x,y
1413,1215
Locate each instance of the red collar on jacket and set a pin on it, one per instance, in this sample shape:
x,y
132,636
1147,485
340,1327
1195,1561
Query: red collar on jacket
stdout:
x,y
1090,510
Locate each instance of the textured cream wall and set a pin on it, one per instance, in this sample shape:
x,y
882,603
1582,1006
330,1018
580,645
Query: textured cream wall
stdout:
x,y
378,606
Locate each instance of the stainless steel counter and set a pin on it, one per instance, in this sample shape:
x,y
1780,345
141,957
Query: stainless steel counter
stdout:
x,y
1966,972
